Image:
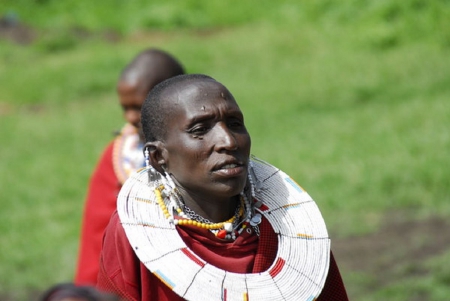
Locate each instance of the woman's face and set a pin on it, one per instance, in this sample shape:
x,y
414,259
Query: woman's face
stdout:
x,y
131,97
207,145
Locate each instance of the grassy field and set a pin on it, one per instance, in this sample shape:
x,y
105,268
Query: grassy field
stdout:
x,y
350,98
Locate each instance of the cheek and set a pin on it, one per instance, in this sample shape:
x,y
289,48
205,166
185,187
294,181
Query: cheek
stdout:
x,y
196,158
189,155
188,166
245,141
197,155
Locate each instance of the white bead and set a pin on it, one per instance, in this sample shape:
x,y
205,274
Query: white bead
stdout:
x,y
228,227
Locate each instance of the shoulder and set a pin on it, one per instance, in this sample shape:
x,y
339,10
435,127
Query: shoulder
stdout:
x,y
114,232
116,255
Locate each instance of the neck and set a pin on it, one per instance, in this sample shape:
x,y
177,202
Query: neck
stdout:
x,y
212,209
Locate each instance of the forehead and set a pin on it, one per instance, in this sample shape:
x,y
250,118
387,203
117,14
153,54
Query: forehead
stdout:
x,y
131,89
203,95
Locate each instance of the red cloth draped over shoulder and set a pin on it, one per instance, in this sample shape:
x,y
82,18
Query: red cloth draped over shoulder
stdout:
x,y
101,200
122,273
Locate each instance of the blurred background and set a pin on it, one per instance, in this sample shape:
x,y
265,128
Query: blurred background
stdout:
x,y
351,98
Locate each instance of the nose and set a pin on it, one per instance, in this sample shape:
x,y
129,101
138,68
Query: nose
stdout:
x,y
133,117
225,138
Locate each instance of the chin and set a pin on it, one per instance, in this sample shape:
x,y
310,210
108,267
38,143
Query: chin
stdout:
x,y
235,188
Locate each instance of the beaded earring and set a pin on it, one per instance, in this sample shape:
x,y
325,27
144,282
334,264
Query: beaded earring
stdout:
x,y
153,174
147,157
253,218
254,181
170,190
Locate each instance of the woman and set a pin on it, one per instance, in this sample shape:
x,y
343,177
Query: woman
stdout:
x,y
204,221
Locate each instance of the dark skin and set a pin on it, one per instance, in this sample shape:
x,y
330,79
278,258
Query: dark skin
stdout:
x,y
132,95
206,148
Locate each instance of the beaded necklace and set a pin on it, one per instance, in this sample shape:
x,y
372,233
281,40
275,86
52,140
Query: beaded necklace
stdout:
x,y
194,216
127,153
228,229
298,272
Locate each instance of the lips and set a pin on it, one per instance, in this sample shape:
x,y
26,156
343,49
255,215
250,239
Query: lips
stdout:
x,y
230,169
228,165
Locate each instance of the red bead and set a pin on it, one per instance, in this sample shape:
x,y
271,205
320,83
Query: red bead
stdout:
x,y
221,234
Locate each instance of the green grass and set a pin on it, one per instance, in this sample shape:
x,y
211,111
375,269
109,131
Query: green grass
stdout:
x,y
423,285
48,155
349,98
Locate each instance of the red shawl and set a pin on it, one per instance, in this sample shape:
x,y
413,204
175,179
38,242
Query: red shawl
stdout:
x,y
122,273
100,203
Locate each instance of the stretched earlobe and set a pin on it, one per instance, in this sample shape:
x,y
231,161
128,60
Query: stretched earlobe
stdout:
x,y
153,152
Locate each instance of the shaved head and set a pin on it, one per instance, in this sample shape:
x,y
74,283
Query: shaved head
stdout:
x,y
149,68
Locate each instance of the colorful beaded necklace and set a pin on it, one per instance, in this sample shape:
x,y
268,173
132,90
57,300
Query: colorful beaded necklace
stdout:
x,y
127,153
303,251
229,229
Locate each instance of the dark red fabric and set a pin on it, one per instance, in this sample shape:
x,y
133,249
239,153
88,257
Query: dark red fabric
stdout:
x,y
122,273
237,256
334,289
100,204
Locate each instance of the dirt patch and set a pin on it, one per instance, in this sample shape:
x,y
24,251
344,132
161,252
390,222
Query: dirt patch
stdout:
x,y
17,32
395,250
11,29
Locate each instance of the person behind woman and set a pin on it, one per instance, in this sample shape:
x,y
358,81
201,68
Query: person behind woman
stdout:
x,y
205,220
121,157
71,292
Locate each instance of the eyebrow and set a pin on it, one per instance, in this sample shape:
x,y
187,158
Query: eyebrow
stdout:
x,y
205,116
200,118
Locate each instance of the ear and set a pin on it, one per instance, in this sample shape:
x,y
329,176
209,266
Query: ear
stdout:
x,y
157,154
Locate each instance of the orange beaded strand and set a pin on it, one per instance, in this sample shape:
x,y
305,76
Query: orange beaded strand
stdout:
x,y
181,222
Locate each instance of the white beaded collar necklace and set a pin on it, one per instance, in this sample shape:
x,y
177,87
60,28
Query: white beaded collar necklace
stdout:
x,y
297,273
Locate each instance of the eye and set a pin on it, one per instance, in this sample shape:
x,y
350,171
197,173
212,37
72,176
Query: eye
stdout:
x,y
199,130
235,123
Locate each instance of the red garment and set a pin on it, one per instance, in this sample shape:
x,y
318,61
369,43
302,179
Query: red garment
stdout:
x,y
122,273
101,202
